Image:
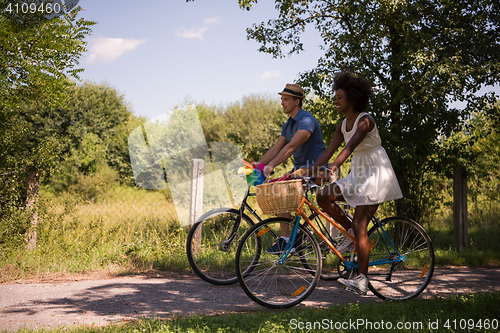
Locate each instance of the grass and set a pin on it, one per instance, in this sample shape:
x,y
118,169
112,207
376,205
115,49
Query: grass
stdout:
x,y
124,230
483,249
132,230
473,313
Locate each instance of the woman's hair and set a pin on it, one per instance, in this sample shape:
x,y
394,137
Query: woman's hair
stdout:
x,y
358,90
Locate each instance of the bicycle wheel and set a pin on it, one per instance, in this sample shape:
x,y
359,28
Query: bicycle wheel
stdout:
x,y
265,278
213,259
408,277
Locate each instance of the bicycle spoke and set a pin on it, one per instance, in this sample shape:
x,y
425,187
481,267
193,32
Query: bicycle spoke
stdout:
x,y
406,276
271,280
208,249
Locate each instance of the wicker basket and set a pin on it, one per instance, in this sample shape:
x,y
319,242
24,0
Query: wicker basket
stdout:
x,y
280,197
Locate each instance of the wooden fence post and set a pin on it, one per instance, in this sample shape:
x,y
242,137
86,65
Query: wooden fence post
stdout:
x,y
196,206
460,208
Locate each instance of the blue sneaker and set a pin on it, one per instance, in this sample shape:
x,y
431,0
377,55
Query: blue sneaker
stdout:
x,y
277,247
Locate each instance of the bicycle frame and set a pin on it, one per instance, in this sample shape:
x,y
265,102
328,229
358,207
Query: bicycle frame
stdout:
x,y
224,245
400,251
348,264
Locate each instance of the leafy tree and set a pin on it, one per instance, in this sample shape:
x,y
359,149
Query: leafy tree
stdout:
x,y
254,124
38,54
94,126
479,137
420,55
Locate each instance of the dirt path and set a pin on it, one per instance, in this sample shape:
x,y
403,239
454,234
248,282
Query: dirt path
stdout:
x,y
101,301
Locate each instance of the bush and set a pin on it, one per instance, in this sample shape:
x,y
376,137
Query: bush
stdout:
x,y
91,187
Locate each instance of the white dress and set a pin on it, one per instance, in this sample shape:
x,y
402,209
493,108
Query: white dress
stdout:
x,y
372,179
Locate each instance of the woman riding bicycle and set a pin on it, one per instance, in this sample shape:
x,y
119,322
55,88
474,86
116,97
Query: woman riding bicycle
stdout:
x,y
371,181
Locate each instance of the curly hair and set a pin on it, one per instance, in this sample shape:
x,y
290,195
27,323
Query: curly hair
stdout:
x,y
358,89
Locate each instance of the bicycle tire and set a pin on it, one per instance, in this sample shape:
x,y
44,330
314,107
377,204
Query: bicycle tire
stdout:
x,y
408,278
268,282
210,262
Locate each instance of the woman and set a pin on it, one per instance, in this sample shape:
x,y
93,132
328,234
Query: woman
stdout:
x,y
372,179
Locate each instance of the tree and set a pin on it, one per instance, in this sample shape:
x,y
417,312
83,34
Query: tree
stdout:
x,y
38,54
94,124
420,56
254,124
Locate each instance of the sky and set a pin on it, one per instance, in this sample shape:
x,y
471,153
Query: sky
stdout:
x,y
158,54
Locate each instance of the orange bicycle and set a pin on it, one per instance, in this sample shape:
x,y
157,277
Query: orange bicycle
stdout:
x,y
401,254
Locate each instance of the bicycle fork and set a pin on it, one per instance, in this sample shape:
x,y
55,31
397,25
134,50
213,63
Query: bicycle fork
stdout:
x,y
291,240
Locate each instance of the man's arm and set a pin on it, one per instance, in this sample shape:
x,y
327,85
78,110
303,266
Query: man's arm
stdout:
x,y
338,139
298,139
271,153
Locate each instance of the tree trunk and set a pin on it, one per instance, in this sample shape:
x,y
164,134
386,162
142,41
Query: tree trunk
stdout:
x,y
460,208
403,206
32,186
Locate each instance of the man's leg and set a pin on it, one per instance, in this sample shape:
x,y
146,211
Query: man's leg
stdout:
x,y
280,245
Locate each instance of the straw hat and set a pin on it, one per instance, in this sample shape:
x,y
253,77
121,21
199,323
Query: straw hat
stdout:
x,y
294,90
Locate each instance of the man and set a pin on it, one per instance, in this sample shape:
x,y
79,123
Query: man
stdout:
x,y
301,137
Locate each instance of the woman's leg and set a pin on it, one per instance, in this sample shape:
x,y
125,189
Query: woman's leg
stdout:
x,y
285,227
362,216
326,200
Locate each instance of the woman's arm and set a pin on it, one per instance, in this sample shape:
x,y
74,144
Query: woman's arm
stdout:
x,y
365,125
337,140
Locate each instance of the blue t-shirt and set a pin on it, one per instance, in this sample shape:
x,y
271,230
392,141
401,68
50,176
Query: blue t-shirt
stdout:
x,y
309,151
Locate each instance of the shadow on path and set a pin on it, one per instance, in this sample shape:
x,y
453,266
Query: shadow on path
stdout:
x,y
98,302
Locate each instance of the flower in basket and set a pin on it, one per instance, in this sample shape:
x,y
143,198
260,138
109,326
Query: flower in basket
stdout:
x,y
254,173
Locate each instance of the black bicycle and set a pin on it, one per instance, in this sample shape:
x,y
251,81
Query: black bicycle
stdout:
x,y
214,237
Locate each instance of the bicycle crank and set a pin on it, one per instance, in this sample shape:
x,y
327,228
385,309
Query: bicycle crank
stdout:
x,y
224,246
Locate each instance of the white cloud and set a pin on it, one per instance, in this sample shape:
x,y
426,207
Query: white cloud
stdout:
x,y
198,33
212,20
103,49
269,75
190,33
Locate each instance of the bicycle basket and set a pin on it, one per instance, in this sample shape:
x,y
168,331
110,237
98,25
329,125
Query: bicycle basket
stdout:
x,y
279,197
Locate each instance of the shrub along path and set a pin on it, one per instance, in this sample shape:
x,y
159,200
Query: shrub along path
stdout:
x,y
87,300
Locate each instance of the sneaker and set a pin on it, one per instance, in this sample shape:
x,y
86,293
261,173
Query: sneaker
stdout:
x,y
358,284
347,244
279,247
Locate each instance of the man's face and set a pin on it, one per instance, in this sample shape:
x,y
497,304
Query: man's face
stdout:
x,y
289,103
